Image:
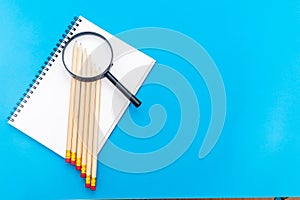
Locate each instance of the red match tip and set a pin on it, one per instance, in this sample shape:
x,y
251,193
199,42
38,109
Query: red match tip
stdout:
x,y
68,160
82,175
87,185
93,188
78,168
72,162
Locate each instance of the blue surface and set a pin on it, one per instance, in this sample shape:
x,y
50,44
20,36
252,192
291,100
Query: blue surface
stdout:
x,y
256,46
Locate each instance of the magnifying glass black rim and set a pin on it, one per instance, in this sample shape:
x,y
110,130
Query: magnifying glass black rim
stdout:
x,y
93,78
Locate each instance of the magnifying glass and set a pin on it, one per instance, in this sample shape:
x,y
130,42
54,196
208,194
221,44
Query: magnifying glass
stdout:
x,y
101,53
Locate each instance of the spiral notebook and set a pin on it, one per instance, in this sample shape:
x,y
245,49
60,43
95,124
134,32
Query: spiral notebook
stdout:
x,y
42,113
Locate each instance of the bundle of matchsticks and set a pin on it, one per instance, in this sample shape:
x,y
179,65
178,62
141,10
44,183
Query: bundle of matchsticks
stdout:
x,y
83,122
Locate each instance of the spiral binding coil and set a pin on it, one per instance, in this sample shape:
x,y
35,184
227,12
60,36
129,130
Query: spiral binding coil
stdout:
x,y
69,32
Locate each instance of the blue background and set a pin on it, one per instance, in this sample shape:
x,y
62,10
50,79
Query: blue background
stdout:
x,y
256,46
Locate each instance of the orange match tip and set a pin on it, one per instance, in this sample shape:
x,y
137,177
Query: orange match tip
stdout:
x,y
78,168
68,160
82,175
93,188
87,185
72,162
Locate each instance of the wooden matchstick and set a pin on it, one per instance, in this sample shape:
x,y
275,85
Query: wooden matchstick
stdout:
x,y
81,71
96,132
71,107
76,107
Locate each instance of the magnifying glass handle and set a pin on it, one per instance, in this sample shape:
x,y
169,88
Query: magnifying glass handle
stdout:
x,y
126,92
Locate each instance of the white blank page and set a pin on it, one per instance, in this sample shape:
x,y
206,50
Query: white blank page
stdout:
x,y
45,115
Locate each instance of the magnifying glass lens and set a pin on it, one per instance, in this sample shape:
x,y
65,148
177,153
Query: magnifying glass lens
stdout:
x,y
87,57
